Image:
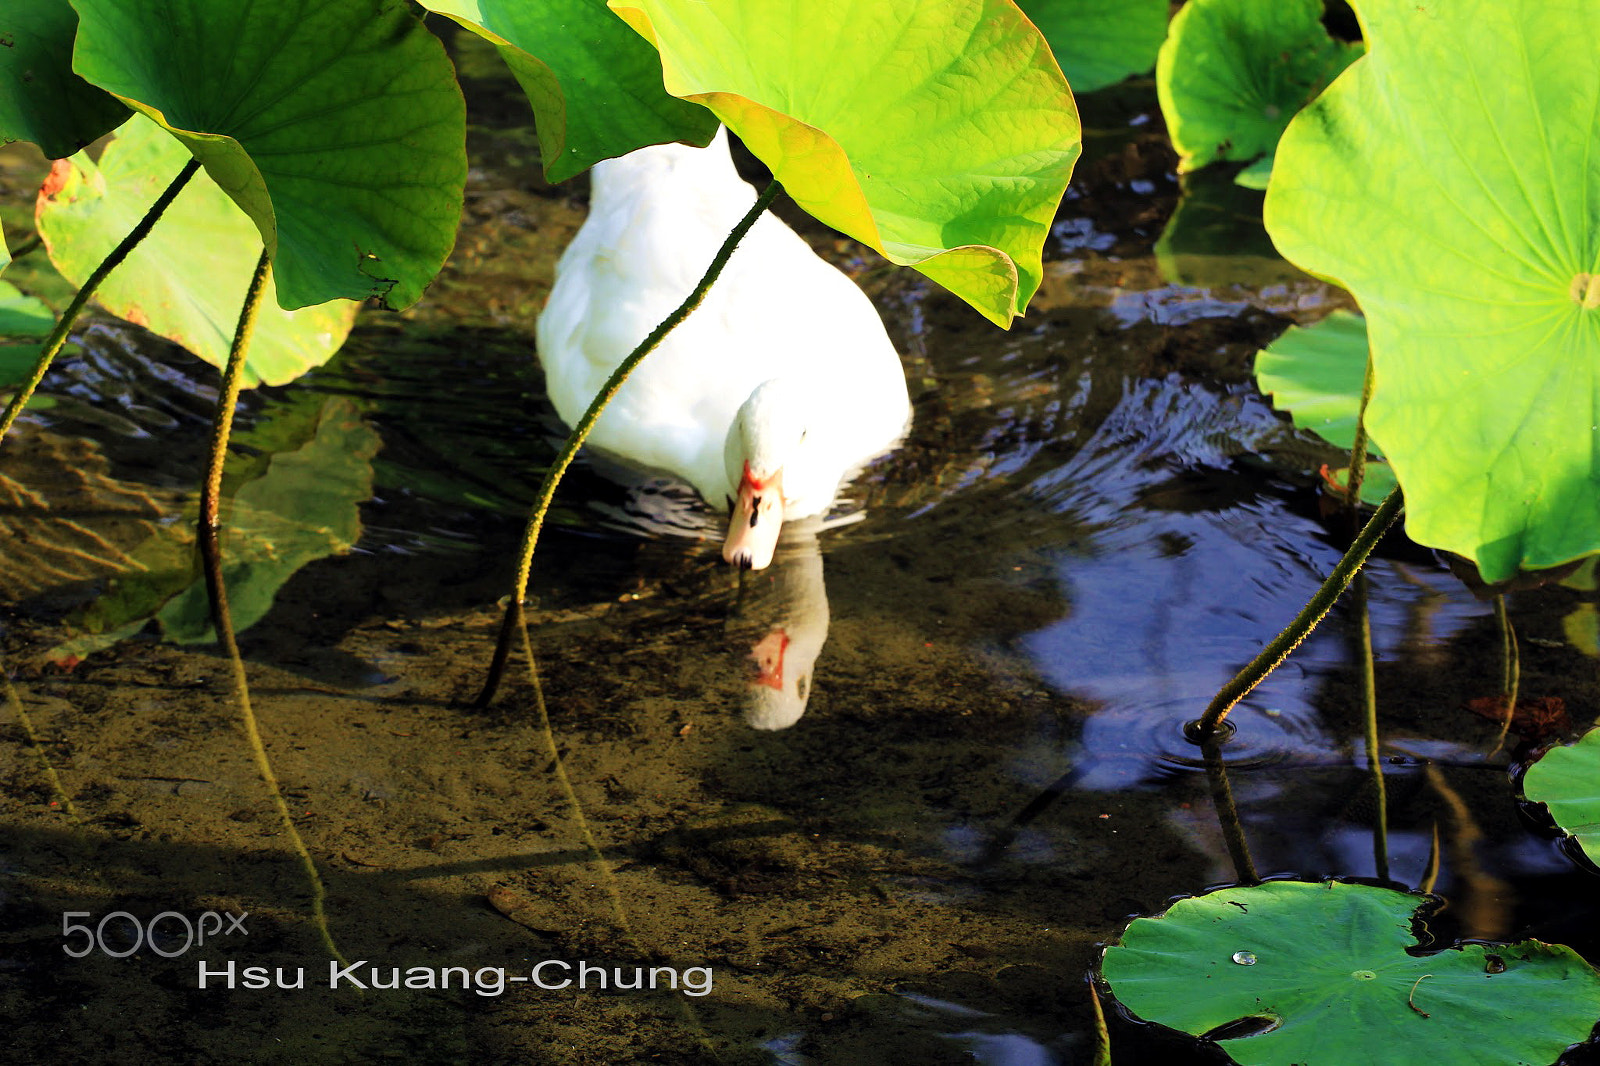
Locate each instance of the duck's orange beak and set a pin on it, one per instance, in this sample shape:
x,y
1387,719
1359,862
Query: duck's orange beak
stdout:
x,y
757,517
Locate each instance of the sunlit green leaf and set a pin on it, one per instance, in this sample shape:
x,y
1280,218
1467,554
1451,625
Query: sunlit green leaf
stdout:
x,y
1232,73
336,125
940,132
187,280
41,99
1329,965
594,84
1566,779
1448,179
1100,42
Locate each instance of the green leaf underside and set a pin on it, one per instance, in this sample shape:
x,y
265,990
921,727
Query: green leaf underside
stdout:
x,y
1232,73
1466,222
187,280
41,99
1331,966
336,125
941,133
1567,780
595,86
1100,42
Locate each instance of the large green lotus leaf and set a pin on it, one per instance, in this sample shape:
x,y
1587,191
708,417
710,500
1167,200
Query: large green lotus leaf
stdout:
x,y
940,132
1232,73
41,99
1328,962
1100,42
594,84
1567,780
187,280
336,125
1449,180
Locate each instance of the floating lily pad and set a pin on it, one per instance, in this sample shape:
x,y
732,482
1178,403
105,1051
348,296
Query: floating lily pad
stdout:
x,y
941,133
1463,220
1232,73
336,125
41,99
1567,781
1100,42
594,83
1325,969
187,280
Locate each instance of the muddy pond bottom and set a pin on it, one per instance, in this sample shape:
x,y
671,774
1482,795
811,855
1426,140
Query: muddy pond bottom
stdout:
x,y
878,803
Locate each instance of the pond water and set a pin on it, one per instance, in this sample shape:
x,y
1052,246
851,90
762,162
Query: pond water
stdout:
x,y
1096,520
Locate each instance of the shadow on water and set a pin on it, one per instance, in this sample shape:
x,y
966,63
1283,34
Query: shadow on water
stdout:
x,y
808,780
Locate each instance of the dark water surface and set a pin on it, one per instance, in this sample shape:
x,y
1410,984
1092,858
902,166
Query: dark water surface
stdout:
x,y
1096,521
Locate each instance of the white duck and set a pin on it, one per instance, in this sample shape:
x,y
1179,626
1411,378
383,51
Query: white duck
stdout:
x,y
777,389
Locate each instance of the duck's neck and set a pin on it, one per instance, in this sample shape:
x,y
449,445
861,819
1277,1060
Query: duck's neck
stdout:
x,y
661,168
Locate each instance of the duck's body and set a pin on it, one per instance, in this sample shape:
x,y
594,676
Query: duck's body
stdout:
x,y
780,386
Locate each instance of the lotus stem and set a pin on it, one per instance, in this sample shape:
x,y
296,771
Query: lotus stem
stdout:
x,y
211,555
1304,622
1358,448
58,336
1102,1035
580,433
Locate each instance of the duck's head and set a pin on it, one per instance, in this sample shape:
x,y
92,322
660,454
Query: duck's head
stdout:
x,y
768,435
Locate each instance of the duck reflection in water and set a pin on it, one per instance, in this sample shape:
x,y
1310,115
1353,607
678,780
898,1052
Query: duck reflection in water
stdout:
x,y
779,628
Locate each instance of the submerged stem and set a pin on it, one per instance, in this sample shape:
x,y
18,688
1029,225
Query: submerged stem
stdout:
x,y
1369,708
1304,622
1510,668
580,432
58,336
211,556
1244,868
